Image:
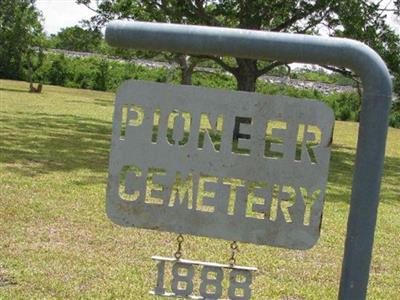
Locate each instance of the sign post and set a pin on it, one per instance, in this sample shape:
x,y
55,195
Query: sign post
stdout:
x,y
159,171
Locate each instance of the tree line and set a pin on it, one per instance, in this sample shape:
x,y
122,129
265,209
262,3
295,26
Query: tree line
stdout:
x,y
357,19
22,32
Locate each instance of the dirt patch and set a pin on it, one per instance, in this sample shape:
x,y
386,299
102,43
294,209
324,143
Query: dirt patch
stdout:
x,y
5,279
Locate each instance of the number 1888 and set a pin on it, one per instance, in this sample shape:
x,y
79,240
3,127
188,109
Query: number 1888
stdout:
x,y
211,280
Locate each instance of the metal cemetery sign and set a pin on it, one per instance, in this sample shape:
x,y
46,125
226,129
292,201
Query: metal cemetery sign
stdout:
x,y
241,166
175,165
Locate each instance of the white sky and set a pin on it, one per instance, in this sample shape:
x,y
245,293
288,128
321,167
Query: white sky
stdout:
x,y
58,14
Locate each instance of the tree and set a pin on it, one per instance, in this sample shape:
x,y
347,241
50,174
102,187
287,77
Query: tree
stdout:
x,y
128,9
369,26
76,38
21,36
396,10
33,62
358,19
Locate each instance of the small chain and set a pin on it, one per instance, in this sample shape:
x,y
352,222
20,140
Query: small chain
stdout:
x,y
178,253
235,249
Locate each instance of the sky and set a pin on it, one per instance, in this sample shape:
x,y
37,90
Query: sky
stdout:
x,y
59,14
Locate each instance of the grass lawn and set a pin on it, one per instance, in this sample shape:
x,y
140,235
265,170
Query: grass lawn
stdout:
x,y
56,241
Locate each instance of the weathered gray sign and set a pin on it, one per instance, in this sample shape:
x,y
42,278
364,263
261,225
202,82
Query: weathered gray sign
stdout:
x,y
176,166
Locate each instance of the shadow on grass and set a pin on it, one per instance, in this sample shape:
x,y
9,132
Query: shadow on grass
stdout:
x,y
341,175
104,102
42,143
97,101
15,90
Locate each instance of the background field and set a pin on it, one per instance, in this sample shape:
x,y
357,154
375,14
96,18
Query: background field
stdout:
x,y
56,241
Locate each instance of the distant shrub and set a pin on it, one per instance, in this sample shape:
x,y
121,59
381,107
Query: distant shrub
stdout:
x,y
100,74
394,117
58,72
214,80
322,76
162,77
345,105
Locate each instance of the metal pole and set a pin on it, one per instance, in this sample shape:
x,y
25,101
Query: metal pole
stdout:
x,y
377,93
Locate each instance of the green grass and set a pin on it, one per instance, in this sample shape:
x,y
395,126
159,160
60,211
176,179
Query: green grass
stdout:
x,y
56,241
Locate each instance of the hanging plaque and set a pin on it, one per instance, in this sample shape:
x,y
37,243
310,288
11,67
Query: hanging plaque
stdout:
x,y
232,165
212,278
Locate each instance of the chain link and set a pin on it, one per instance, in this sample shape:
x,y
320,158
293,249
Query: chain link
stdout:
x,y
178,253
235,249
